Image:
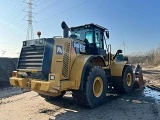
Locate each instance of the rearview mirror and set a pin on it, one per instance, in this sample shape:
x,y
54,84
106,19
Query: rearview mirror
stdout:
x,y
119,51
107,34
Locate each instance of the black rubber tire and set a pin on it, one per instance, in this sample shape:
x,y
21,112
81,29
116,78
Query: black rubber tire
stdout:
x,y
136,85
51,97
120,85
87,97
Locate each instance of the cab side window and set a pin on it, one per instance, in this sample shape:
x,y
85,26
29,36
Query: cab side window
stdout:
x,y
97,40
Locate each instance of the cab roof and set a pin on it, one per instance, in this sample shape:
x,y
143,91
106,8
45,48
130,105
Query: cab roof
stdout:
x,y
91,25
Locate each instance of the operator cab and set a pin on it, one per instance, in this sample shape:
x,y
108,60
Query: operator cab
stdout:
x,y
93,35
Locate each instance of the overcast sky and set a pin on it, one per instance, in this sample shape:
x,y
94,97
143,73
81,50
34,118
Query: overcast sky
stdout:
x,y
137,22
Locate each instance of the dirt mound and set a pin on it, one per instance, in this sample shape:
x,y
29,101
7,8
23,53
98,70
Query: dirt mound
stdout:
x,y
7,65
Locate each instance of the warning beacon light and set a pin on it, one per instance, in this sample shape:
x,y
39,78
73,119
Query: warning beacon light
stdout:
x,y
39,34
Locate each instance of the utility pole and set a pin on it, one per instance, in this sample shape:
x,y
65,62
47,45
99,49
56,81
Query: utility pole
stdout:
x,y
30,34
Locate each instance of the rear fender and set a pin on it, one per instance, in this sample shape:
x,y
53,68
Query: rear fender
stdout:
x,y
79,68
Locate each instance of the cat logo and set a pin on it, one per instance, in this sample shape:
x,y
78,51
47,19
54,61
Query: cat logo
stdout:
x,y
59,50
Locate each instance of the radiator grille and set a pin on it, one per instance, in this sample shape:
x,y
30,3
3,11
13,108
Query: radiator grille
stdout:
x,y
66,59
31,58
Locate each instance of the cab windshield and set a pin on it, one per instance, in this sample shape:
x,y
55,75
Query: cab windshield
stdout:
x,y
79,34
89,35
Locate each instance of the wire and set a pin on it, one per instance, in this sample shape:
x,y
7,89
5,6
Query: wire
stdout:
x,y
5,30
9,16
14,37
19,34
65,11
12,31
50,6
41,2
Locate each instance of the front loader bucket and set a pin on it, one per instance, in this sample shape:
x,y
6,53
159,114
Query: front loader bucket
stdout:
x,y
139,82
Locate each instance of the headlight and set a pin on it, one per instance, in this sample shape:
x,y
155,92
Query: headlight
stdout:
x,y
52,77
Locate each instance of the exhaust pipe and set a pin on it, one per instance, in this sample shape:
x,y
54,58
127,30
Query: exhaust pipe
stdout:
x,y
65,30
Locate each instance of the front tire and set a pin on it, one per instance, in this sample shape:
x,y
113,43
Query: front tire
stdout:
x,y
125,85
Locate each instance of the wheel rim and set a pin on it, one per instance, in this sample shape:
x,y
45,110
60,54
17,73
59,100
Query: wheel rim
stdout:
x,y
97,86
129,79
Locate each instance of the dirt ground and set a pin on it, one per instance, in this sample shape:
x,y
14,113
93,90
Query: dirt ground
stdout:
x,y
152,75
139,105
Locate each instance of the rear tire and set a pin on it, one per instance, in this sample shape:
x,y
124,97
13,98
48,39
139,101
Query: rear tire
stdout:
x,y
125,85
95,88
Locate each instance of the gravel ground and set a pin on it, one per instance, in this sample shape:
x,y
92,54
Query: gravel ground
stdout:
x,y
9,91
139,105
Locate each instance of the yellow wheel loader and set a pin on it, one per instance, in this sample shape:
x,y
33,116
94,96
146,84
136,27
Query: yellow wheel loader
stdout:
x,y
80,62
